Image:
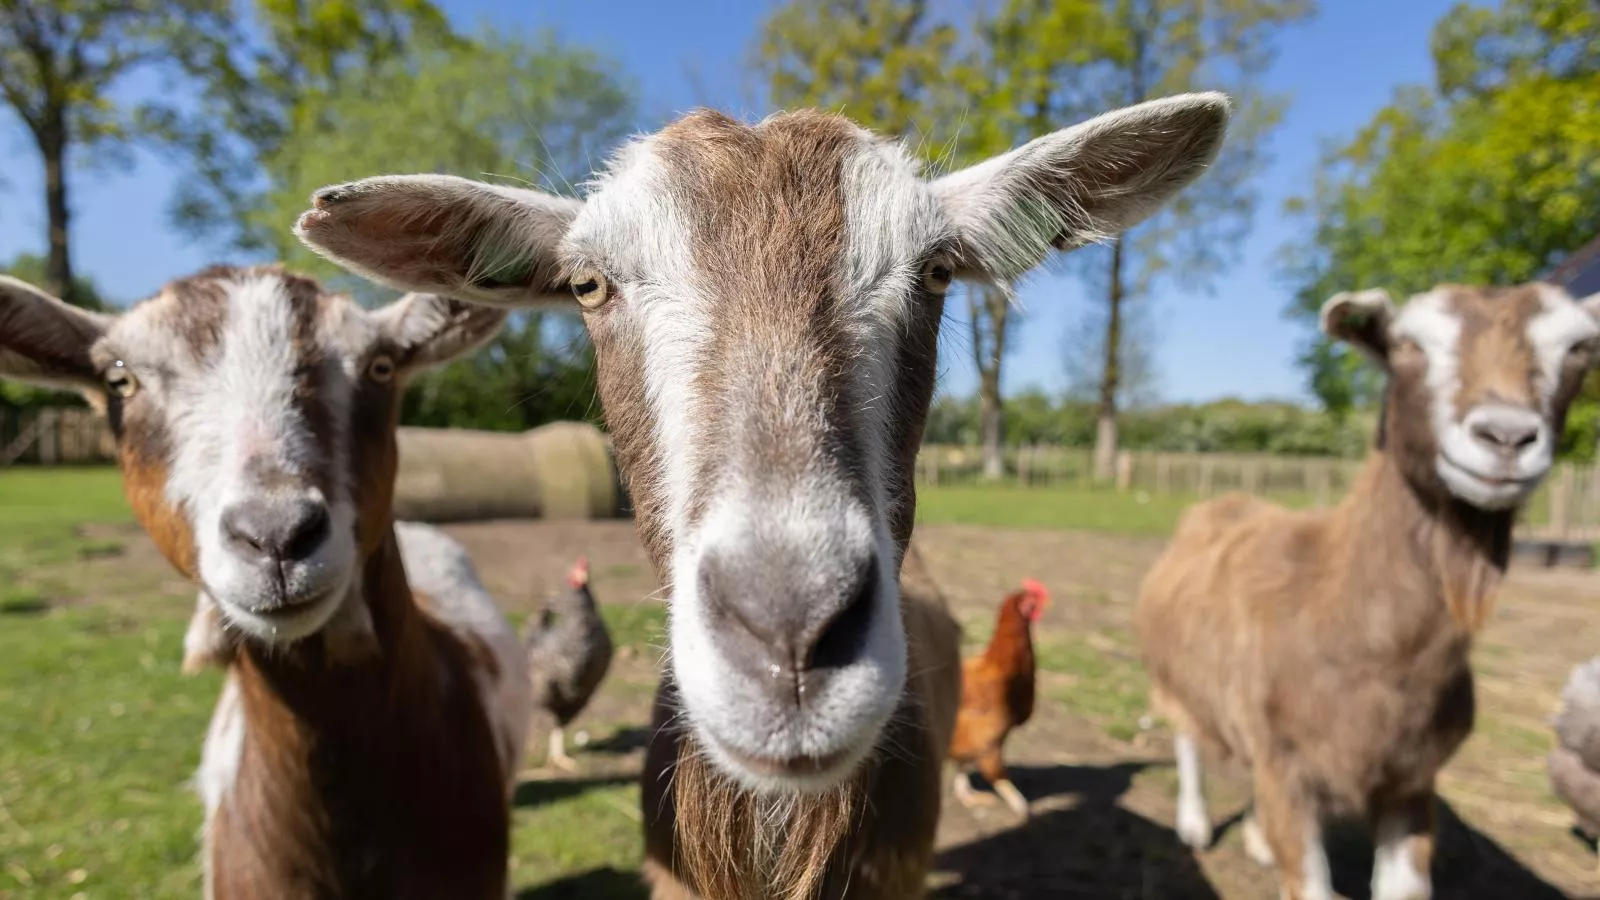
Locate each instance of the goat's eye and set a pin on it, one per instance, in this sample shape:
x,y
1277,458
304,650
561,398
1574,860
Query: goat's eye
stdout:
x,y
591,288
381,369
121,381
937,275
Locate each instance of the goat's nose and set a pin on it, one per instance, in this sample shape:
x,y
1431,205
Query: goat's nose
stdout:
x,y
788,623
1507,433
275,530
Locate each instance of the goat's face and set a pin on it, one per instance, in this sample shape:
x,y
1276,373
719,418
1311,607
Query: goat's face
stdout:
x,y
254,415
765,303
1479,380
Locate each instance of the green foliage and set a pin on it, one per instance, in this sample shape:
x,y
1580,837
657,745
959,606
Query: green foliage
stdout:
x,y
553,110
875,61
263,92
1223,426
1489,176
539,369
60,61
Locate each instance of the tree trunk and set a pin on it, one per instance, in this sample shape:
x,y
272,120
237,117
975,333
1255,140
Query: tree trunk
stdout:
x,y
52,139
1105,437
990,309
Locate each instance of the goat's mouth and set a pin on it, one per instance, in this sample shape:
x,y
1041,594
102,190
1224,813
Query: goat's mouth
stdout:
x,y
1492,490
804,773
282,618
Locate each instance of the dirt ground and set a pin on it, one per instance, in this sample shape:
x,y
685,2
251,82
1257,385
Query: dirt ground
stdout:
x,y
1103,796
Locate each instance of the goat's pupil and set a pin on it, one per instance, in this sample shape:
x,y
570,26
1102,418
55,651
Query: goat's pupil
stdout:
x,y
588,287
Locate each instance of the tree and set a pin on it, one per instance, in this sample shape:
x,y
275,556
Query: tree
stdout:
x,y
1489,176
553,110
1142,49
275,87
61,62
1083,357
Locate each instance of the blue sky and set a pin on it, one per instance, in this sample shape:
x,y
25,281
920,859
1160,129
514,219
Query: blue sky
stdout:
x,y
1232,341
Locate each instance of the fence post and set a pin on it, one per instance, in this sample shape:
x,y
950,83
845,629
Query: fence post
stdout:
x,y
1024,460
1124,470
1320,476
1251,476
1561,502
49,436
1163,475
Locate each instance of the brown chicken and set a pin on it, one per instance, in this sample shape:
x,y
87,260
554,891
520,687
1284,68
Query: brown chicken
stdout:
x,y
997,696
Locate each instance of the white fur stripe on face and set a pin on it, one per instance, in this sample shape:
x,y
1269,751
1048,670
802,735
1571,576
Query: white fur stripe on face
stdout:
x,y
663,302
1429,321
1552,333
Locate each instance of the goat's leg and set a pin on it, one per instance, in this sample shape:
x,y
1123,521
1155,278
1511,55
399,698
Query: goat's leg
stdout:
x,y
1194,823
1403,833
1293,829
993,767
1255,843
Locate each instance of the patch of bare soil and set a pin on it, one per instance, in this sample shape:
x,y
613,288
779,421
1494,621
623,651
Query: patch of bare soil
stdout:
x,y
1103,807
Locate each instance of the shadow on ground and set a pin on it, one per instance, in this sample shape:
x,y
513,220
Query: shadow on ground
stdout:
x,y
595,884
537,791
1094,849
1468,865
621,742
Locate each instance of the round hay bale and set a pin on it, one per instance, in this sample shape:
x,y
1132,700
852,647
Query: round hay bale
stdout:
x,y
558,471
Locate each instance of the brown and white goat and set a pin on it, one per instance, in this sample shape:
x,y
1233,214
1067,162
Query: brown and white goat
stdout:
x,y
1329,650
765,305
370,727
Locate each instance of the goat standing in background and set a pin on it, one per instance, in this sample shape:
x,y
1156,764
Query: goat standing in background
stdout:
x,y
1328,650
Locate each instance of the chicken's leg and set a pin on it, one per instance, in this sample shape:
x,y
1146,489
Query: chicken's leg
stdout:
x,y
558,751
993,767
961,786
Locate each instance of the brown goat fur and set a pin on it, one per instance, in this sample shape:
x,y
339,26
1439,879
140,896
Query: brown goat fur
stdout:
x,y
1328,651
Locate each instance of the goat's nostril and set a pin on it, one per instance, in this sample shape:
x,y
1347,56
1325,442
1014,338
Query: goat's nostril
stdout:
x,y
1505,437
309,531
281,531
840,639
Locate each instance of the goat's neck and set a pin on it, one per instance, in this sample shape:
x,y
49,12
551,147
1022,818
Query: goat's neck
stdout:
x,y
1407,543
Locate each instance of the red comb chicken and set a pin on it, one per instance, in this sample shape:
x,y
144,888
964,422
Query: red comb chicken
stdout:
x,y
997,696
569,651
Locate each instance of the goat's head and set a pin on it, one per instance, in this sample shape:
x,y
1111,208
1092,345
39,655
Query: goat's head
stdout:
x,y
1479,380
254,416
765,304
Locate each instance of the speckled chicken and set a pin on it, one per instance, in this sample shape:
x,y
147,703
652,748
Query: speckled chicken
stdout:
x,y
1575,762
569,651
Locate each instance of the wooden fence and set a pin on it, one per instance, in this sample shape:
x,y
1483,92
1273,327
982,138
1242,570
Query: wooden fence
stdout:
x,y
54,437
1566,507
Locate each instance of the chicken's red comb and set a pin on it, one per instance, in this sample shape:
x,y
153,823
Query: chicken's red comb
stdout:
x,y
579,576
1034,588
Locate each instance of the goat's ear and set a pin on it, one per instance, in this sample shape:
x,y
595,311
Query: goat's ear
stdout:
x,y
1080,184
1360,319
428,330
445,235
46,342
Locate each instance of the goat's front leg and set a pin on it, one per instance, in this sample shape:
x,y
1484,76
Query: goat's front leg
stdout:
x,y
1292,826
1403,833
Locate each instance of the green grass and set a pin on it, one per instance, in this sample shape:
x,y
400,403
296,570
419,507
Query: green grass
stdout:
x,y
1104,684
33,497
1075,508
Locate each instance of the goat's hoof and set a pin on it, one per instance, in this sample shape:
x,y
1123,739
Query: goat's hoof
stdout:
x,y
1255,843
1194,829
